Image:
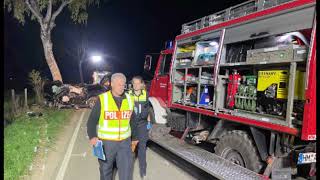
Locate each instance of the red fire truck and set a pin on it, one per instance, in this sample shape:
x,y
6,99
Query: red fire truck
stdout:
x,y
244,80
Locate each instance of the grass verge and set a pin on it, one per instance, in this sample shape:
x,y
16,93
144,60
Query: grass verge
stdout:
x,y
23,136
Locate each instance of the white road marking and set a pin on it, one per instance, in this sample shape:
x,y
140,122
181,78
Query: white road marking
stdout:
x,y
67,156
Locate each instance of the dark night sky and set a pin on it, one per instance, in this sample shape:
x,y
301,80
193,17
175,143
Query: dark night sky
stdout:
x,y
125,30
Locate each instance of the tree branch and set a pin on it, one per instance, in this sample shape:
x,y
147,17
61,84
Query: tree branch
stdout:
x,y
49,11
34,10
58,11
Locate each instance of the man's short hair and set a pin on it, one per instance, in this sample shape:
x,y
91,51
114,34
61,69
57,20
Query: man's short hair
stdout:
x,y
138,78
118,76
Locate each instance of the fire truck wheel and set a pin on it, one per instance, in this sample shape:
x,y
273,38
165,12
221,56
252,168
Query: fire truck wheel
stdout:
x,y
237,146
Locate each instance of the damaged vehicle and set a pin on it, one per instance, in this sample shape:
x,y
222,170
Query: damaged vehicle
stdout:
x,y
76,96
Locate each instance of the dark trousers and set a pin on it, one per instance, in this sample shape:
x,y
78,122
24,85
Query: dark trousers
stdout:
x,y
142,135
119,152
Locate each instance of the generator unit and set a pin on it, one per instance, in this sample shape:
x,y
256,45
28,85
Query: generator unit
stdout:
x,y
272,90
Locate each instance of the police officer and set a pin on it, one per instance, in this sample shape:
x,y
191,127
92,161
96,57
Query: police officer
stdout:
x,y
140,122
112,113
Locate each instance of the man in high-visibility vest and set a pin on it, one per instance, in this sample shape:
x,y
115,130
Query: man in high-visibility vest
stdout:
x,y
109,121
140,122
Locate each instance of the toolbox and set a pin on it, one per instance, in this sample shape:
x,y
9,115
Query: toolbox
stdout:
x,y
277,54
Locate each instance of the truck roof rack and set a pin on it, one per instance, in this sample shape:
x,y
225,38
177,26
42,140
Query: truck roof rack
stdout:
x,y
236,11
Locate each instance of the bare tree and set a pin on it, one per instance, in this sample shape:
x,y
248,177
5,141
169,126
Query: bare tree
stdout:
x,y
45,13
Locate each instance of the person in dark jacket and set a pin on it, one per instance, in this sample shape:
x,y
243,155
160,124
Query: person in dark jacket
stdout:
x,y
109,121
140,122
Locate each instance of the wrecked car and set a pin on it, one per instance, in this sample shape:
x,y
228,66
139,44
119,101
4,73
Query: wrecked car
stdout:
x,y
76,96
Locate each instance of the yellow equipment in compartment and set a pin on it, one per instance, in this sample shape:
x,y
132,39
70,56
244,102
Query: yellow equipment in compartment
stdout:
x,y
281,79
188,48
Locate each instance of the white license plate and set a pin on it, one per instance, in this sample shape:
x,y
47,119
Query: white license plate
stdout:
x,y
305,158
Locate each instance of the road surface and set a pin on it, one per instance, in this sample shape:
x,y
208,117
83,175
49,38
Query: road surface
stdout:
x,y
71,158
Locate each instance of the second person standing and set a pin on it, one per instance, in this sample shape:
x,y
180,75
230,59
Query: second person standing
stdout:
x,y
140,121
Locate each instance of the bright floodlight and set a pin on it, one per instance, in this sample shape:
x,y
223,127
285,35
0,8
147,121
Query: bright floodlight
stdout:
x,y
96,58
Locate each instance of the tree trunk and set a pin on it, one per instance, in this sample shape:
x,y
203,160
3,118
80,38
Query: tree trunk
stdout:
x,y
48,52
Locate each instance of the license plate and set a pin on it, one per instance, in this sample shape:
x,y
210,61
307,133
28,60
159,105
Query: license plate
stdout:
x,y
305,158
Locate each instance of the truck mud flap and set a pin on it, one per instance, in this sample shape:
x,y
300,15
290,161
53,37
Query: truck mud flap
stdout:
x,y
207,161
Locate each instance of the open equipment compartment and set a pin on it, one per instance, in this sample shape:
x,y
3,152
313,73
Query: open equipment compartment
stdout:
x,y
178,85
262,68
195,60
264,78
258,68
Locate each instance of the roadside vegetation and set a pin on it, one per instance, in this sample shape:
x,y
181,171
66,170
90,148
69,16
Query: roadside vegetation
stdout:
x,y
30,126
23,136
11,113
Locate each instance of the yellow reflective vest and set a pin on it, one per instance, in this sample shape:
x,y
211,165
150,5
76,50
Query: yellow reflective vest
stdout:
x,y
141,98
114,124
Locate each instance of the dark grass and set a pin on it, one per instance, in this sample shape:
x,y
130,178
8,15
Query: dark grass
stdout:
x,y
23,135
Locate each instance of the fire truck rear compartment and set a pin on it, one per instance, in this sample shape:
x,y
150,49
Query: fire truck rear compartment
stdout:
x,y
253,77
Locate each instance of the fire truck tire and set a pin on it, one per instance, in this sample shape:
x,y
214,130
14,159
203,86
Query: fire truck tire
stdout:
x,y
238,147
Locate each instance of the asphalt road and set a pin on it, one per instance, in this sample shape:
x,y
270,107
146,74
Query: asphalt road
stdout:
x,y
71,158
